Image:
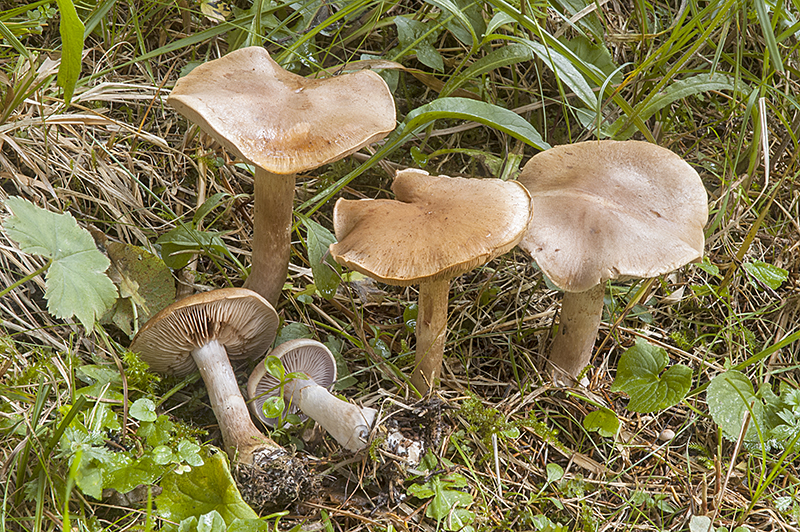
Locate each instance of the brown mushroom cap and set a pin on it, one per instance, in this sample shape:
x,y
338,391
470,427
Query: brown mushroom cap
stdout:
x,y
240,319
609,209
297,356
438,228
279,121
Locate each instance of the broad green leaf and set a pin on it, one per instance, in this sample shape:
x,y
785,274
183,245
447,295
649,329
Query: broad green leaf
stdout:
x,y
211,522
145,285
421,491
554,472
201,490
501,57
676,91
75,282
467,109
602,421
274,367
180,244
499,19
463,26
273,407
445,500
71,29
419,36
458,519
770,275
565,70
729,396
189,452
326,271
143,410
292,331
639,375
124,474
596,54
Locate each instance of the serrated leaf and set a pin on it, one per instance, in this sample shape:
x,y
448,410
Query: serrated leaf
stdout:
x,y
143,410
466,109
75,282
603,421
639,375
728,396
201,490
326,272
71,29
770,275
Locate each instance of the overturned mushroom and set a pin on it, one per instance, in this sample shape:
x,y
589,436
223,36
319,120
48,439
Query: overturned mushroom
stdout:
x,y
607,210
283,124
438,228
347,423
205,331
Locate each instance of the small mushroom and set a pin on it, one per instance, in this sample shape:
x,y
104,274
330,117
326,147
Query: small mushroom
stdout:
x,y
438,228
347,423
283,124
607,210
205,331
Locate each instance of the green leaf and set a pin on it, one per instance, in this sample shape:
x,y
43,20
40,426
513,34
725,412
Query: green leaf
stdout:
x,y
554,472
463,28
679,89
189,452
143,410
729,396
125,474
467,109
326,272
770,275
71,29
273,406
145,285
293,331
501,57
445,500
638,375
419,36
75,282
274,367
180,244
565,70
202,490
603,421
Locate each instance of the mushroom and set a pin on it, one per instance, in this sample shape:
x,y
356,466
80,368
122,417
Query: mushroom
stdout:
x,y
607,210
203,332
438,228
283,124
347,423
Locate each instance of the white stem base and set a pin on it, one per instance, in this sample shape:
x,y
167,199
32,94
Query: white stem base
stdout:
x,y
346,422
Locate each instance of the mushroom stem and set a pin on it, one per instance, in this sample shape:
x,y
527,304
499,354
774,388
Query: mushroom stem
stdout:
x,y
272,232
580,319
239,434
347,423
431,333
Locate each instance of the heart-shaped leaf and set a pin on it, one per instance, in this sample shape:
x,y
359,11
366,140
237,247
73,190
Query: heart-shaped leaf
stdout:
x,y
639,375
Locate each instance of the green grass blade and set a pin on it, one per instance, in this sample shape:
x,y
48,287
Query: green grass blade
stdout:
x,y
71,29
9,36
98,14
769,35
501,57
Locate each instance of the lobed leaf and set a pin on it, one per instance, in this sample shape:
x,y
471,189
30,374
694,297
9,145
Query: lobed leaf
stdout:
x,y
76,284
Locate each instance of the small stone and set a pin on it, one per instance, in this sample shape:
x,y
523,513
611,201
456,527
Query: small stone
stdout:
x,y
666,435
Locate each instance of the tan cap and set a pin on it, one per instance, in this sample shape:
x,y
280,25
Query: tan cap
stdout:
x,y
438,228
608,209
240,319
279,121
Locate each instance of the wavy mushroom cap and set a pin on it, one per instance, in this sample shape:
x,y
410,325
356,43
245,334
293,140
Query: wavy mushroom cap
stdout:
x,y
438,228
301,355
612,209
278,120
240,319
